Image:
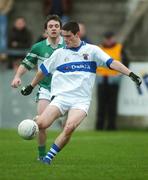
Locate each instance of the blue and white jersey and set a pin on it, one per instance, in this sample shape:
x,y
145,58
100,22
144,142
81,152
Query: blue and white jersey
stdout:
x,y
74,70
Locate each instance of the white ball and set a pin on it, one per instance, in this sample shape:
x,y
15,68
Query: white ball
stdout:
x,y
28,129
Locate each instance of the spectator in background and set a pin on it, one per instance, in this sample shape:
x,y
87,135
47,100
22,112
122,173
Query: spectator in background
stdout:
x,y
5,7
83,35
60,7
20,39
108,84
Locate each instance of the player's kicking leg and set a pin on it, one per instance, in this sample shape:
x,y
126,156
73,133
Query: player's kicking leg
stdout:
x,y
75,117
47,117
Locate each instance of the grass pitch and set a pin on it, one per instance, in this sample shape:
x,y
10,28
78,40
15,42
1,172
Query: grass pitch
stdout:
x,y
121,155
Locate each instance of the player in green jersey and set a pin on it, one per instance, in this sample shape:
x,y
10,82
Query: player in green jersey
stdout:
x,y
38,53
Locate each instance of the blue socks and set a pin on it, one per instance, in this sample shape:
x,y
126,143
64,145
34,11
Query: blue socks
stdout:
x,y
51,153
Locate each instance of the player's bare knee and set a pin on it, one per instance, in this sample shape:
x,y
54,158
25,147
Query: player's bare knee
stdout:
x,y
40,123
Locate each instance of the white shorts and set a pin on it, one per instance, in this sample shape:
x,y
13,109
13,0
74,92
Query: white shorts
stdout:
x,y
43,94
65,104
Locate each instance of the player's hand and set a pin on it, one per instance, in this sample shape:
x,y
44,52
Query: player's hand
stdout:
x,y
25,91
135,78
16,82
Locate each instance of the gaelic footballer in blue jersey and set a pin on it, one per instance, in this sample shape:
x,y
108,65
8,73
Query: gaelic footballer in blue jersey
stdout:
x,y
74,70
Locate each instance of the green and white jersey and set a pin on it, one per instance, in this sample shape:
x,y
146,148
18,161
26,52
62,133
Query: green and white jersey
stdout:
x,y
38,53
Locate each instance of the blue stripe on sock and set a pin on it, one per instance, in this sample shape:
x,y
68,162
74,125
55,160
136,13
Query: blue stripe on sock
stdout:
x,y
52,152
47,157
55,147
50,156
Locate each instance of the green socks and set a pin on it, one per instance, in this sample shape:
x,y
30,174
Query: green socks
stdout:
x,y
42,151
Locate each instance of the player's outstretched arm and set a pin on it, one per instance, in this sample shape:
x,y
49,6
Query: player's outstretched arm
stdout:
x,y
16,82
29,88
116,65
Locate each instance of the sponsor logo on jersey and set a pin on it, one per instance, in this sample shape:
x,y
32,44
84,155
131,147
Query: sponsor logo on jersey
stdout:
x,y
81,66
78,66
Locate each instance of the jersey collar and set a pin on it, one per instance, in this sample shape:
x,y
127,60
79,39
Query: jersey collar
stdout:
x,y
60,42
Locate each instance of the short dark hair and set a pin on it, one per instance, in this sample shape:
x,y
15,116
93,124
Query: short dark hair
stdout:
x,y
52,17
109,34
71,26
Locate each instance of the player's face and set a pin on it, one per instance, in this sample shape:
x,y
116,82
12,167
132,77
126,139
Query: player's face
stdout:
x,y
69,38
109,41
53,29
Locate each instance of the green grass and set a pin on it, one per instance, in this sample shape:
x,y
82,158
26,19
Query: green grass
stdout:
x,y
121,155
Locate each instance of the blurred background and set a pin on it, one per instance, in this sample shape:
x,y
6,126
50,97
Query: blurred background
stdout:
x,y
105,23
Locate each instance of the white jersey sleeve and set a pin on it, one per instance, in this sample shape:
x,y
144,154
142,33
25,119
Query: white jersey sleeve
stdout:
x,y
101,58
49,65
